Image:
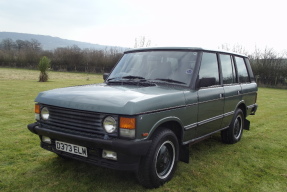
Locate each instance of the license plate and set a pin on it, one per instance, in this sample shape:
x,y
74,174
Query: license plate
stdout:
x,y
71,148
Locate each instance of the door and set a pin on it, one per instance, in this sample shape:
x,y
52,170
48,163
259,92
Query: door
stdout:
x,y
210,95
232,89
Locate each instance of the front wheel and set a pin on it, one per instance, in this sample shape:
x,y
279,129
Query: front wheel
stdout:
x,y
159,165
234,132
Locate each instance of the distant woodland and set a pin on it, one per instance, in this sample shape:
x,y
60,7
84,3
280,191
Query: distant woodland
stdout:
x,y
27,54
269,67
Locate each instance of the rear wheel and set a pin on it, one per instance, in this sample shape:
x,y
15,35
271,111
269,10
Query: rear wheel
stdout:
x,y
234,132
159,165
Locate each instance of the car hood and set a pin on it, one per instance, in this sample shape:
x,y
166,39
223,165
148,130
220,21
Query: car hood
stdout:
x,y
129,100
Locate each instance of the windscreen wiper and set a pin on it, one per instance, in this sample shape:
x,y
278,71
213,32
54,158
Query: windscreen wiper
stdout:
x,y
170,81
130,77
133,77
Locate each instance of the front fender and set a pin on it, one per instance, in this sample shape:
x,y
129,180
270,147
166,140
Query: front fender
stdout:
x,y
168,121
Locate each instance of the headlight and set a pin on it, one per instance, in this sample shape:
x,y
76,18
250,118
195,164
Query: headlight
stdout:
x,y
110,124
45,113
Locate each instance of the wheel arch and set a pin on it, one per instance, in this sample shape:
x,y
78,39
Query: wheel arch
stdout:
x,y
172,123
175,125
241,105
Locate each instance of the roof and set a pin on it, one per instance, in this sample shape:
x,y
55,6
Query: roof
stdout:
x,y
180,49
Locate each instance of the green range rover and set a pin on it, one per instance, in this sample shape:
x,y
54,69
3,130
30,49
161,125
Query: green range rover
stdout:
x,y
151,107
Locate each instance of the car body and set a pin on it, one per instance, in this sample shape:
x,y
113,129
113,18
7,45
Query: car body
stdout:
x,y
151,107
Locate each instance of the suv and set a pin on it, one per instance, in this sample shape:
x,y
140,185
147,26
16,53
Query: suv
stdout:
x,y
151,107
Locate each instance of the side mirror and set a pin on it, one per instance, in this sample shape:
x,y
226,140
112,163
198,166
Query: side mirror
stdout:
x,y
105,76
206,82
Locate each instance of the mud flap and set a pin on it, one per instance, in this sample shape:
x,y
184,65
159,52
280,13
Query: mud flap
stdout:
x,y
246,124
184,153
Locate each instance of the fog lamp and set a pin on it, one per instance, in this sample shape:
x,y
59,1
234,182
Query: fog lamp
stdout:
x,y
46,139
37,116
130,133
109,155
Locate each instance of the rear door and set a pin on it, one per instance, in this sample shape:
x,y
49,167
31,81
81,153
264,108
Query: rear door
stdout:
x,y
232,89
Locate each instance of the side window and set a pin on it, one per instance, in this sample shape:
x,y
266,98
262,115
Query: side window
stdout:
x,y
227,66
251,75
241,70
208,73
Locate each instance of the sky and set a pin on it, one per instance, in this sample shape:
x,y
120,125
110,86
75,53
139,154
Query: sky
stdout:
x,y
193,23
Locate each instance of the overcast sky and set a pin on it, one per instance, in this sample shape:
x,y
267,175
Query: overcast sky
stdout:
x,y
203,23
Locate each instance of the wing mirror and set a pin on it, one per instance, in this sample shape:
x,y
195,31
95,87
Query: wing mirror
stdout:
x,y
105,76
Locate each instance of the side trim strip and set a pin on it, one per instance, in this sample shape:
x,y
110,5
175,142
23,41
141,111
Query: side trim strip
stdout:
x,y
228,113
210,120
196,124
201,102
187,127
164,109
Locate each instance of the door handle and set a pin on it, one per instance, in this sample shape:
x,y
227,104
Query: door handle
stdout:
x,y
221,95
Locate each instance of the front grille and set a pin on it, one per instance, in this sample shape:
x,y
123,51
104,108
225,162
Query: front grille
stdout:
x,y
77,122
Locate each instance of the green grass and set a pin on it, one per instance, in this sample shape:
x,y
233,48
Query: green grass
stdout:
x,y
257,163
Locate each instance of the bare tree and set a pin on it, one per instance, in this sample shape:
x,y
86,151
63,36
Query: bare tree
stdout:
x,y
269,67
235,48
142,41
8,44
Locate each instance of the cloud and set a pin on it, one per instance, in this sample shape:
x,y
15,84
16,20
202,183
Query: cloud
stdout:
x,y
165,22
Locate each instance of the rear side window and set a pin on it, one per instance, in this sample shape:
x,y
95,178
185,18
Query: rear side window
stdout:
x,y
228,72
241,70
208,73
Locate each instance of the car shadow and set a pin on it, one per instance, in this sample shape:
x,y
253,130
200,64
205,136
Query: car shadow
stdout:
x,y
79,176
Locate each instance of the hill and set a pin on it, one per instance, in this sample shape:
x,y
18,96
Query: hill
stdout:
x,y
49,42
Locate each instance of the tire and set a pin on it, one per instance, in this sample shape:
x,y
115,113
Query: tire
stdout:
x,y
233,134
160,163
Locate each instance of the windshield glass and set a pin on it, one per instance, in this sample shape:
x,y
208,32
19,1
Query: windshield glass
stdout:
x,y
168,66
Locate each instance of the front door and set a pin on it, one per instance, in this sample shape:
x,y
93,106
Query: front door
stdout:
x,y
210,96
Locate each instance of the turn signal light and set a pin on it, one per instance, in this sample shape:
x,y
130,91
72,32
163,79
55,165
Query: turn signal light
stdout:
x,y
127,123
37,108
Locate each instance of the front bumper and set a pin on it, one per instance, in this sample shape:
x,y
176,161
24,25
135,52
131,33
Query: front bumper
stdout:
x,y
128,152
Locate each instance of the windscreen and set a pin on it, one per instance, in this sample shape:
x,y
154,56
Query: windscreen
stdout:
x,y
168,66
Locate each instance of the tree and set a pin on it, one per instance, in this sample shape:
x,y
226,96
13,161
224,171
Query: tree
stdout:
x,y
43,66
8,44
236,48
142,42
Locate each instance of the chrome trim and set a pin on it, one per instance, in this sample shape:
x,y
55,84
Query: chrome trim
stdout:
x,y
160,110
210,100
187,127
196,124
188,105
248,93
210,119
228,113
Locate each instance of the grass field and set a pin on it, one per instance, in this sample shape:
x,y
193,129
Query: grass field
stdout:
x,y
257,163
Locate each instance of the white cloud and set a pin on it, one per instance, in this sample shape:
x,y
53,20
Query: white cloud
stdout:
x,y
205,23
